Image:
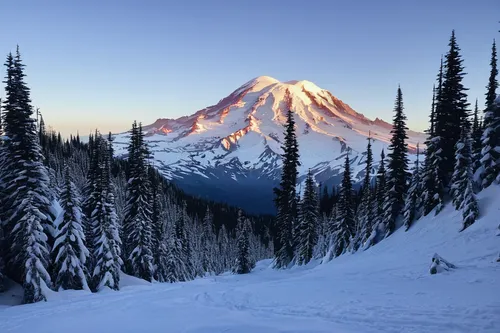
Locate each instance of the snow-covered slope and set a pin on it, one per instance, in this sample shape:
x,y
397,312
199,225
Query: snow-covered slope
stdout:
x,y
387,288
235,144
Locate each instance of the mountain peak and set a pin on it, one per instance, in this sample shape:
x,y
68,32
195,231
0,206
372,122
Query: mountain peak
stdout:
x,y
259,107
265,81
236,143
260,83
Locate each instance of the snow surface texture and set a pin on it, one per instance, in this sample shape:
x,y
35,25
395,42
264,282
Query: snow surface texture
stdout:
x,y
387,288
242,133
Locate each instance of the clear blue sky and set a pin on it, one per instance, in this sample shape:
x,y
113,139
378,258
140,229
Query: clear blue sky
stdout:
x,y
105,63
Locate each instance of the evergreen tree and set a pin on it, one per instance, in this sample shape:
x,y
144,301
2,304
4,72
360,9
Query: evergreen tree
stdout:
x,y
397,167
286,198
463,169
176,270
476,139
490,154
323,236
365,215
451,112
70,252
325,201
159,239
307,236
492,86
91,195
432,117
26,214
208,241
470,209
345,224
137,224
224,249
183,246
381,186
244,262
107,243
432,178
413,202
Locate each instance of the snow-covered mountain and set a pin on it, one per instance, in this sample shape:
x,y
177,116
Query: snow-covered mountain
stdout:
x,y
231,151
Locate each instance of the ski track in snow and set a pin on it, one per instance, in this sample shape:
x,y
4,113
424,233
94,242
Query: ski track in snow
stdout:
x,y
387,288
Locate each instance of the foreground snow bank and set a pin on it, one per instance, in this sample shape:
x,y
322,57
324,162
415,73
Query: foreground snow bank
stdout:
x,y
387,288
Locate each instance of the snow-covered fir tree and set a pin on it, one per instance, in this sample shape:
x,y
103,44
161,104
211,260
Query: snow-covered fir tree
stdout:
x,y
244,263
107,242
379,192
224,251
208,243
90,193
413,199
323,236
462,173
175,269
397,166
286,198
470,208
476,134
432,177
490,153
183,245
70,253
137,224
158,220
307,236
26,206
451,112
381,185
365,214
344,222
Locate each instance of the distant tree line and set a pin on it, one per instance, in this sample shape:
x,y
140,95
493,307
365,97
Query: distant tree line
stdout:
x,y
74,217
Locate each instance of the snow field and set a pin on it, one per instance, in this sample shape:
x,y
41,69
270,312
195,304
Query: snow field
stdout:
x,y
387,288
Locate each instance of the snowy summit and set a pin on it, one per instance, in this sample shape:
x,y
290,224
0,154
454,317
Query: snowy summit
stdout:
x,y
234,146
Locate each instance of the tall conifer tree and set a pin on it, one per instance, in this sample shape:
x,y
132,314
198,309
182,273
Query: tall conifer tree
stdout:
x,y
462,173
345,224
452,111
137,224
70,253
26,215
107,242
159,238
476,134
286,198
183,246
381,186
90,192
244,262
307,236
366,216
397,167
413,201
432,178
490,154
208,241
